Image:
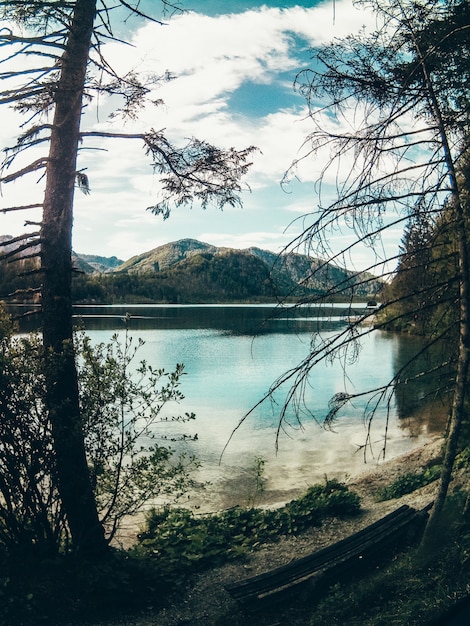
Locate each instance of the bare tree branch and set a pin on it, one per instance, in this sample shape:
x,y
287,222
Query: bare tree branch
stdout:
x,y
21,208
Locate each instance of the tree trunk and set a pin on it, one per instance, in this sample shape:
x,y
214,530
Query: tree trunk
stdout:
x,y
457,414
56,247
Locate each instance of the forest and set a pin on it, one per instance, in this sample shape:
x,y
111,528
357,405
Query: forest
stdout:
x,y
207,275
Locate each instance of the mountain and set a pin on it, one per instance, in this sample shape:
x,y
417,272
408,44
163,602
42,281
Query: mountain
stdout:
x,y
4,239
8,244
209,271
191,271
87,263
100,264
168,255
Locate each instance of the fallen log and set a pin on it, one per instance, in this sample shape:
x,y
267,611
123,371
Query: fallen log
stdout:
x,y
371,545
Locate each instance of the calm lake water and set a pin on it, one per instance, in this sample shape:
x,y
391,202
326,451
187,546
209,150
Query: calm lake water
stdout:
x,y
232,354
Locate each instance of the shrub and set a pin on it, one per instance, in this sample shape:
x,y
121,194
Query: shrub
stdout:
x,y
182,541
121,412
122,409
409,482
30,510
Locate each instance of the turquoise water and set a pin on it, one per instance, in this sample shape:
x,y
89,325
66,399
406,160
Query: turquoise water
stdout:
x,y
229,368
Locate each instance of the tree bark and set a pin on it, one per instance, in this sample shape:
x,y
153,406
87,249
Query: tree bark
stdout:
x,y
56,247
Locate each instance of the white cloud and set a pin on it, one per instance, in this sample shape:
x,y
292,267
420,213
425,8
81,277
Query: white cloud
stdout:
x,y
212,57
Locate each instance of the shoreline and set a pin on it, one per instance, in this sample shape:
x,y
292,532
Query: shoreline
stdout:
x,y
373,476
207,599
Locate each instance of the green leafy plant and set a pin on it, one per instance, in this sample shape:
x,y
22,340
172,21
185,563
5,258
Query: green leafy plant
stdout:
x,y
259,480
121,407
183,542
409,482
30,510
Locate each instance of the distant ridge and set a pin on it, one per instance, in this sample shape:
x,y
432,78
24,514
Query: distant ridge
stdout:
x,y
191,271
168,255
100,264
280,274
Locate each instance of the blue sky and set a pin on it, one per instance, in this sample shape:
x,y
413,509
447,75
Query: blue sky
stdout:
x,y
235,64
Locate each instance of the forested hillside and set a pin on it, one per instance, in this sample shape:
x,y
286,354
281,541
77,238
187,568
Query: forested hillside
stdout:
x,y
421,299
189,271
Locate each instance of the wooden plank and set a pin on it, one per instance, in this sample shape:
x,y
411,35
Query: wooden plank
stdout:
x,y
327,562
314,560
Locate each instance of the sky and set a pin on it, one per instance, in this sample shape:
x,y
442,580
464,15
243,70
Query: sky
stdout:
x,y
235,64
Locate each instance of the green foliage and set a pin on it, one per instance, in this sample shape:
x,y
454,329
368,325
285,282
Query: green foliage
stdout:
x,y
219,276
122,410
17,276
409,482
257,469
462,460
235,276
182,541
30,511
421,297
207,276
121,413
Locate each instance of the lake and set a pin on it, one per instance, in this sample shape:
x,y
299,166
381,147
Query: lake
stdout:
x,y
232,354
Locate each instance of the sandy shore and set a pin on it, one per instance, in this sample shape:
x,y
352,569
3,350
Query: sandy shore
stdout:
x,y
207,598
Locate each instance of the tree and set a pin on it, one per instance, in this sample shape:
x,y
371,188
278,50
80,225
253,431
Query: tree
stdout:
x,y
61,43
129,462
390,114
424,283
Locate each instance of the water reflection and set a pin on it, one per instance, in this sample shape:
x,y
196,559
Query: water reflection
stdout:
x,y
231,364
241,319
232,354
425,372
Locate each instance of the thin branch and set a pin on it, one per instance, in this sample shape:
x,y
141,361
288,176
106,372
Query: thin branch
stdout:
x,y
21,208
12,253
32,167
140,14
13,240
22,292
